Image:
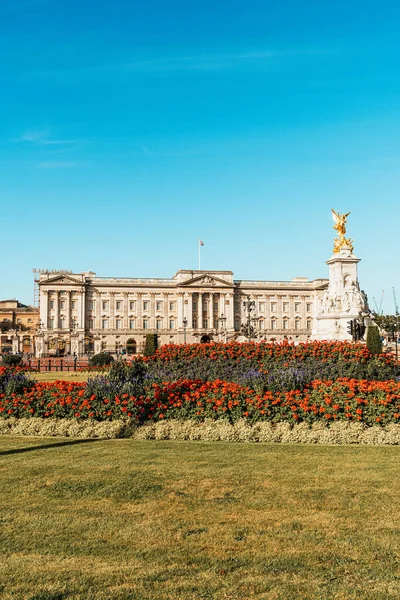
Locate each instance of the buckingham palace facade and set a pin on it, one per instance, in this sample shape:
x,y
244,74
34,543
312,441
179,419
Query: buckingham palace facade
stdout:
x,y
83,314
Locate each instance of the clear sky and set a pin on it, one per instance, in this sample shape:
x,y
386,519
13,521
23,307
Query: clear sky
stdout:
x,y
129,129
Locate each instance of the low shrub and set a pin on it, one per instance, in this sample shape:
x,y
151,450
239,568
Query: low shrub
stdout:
x,y
207,431
101,360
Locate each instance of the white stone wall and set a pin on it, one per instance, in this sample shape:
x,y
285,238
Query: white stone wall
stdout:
x,y
107,312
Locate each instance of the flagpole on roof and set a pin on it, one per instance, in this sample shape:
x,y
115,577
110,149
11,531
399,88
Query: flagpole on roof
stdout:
x,y
200,245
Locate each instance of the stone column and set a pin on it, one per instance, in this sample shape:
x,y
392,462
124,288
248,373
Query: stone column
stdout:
x,y
44,308
211,310
188,313
229,311
112,310
125,324
81,309
56,311
139,319
68,310
152,310
98,311
180,310
221,305
200,311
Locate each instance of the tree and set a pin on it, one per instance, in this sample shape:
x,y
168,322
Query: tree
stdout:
x,y
151,344
389,323
374,343
12,360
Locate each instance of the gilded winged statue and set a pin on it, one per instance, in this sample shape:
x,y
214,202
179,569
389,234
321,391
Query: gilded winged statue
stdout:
x,y
340,227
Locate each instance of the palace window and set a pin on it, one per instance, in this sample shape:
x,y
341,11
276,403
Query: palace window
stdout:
x,y
205,323
309,305
51,304
104,304
261,307
146,304
51,323
159,324
158,305
285,307
131,323
172,323
273,323
145,323
118,305
132,305
172,306
194,322
261,323
62,304
73,304
62,322
91,305
297,307
118,324
285,324
273,307
104,324
309,324
297,324
91,323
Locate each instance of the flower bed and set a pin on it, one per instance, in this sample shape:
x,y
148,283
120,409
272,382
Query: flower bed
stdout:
x,y
310,384
369,402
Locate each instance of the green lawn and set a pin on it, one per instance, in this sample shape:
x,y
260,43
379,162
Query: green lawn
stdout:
x,y
122,519
63,375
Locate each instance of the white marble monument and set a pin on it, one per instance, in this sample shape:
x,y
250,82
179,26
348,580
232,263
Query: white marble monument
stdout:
x,y
343,301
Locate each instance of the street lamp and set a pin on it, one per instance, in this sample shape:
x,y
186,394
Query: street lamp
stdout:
x,y
222,328
185,324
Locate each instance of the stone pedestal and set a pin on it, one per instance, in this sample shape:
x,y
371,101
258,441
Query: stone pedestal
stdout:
x,y
342,301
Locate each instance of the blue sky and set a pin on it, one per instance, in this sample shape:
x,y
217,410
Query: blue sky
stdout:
x,y
130,129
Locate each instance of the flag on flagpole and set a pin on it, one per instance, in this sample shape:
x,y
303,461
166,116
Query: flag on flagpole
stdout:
x,y
201,243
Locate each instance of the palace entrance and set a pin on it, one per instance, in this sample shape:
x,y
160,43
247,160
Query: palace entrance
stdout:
x,y
131,346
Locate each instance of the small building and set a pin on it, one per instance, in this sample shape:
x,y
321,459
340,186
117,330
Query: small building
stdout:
x,y
18,324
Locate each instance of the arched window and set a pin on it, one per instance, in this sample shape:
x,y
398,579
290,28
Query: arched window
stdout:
x,y
131,346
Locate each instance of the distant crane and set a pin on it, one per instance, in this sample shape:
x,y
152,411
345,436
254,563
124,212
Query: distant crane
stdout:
x,y
396,308
379,308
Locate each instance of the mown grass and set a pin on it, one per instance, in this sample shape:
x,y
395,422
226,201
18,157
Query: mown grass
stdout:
x,y
123,519
63,375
